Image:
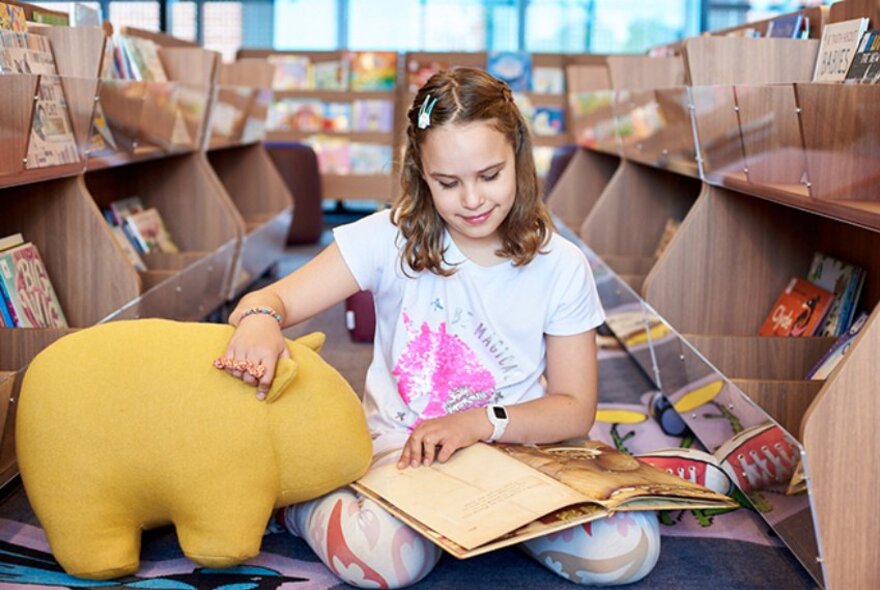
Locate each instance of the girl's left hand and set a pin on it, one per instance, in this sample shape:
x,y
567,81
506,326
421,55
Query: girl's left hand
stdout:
x,y
448,433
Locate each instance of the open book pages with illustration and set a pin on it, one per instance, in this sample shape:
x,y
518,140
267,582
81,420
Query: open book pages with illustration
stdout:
x,y
491,496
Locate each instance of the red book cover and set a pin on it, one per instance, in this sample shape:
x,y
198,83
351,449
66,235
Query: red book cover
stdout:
x,y
798,311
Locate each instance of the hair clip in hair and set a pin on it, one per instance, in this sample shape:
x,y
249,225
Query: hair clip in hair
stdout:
x,y
425,112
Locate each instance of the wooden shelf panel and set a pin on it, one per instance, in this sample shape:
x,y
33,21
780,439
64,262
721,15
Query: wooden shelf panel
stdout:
x,y
580,186
359,187
784,401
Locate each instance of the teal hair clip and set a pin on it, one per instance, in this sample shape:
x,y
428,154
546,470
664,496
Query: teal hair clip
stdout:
x,y
425,112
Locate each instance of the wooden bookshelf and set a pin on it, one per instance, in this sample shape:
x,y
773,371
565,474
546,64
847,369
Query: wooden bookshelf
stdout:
x,y
785,168
336,186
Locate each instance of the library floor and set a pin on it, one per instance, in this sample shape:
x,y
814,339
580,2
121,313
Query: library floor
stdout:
x,y
733,550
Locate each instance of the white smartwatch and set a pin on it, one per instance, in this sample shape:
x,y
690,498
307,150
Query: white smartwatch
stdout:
x,y
498,418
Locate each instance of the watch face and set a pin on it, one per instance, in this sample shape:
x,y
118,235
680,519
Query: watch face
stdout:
x,y
499,412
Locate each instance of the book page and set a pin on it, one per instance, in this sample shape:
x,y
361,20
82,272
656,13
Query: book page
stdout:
x,y
475,497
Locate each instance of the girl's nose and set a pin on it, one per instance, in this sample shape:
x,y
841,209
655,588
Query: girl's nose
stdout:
x,y
471,197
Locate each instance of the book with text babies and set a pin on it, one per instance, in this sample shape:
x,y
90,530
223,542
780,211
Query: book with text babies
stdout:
x,y
490,496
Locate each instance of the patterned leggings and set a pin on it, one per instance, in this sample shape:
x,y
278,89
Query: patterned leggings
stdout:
x,y
367,547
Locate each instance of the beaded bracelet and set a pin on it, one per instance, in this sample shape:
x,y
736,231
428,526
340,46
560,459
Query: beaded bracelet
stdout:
x,y
262,310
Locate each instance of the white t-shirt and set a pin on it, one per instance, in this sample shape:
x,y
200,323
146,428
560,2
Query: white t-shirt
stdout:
x,y
444,344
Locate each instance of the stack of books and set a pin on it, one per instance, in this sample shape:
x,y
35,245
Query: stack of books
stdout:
x,y
27,298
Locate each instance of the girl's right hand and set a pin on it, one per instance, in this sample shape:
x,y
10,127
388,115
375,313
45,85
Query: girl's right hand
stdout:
x,y
257,339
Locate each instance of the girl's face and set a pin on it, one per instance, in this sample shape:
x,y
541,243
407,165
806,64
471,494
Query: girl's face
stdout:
x,y
471,171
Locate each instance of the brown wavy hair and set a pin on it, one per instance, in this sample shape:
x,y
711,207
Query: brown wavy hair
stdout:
x,y
465,95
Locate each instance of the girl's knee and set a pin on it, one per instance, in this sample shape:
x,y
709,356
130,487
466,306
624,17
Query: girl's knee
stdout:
x,y
366,546
619,549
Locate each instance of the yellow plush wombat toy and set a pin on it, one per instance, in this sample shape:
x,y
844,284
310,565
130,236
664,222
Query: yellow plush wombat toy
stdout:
x,y
127,426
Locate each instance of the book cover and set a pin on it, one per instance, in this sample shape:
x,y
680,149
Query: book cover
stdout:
x,y
122,208
292,72
548,120
10,320
337,116
149,229
837,48
548,80
835,354
491,496
331,75
372,70
30,292
842,279
513,67
49,18
787,26
305,115
369,158
124,243
334,153
373,115
419,71
12,18
798,311
865,66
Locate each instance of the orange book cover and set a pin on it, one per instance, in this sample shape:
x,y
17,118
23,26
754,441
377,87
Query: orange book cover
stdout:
x,y
798,311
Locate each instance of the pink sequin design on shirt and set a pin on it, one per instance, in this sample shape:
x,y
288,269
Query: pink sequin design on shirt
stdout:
x,y
439,374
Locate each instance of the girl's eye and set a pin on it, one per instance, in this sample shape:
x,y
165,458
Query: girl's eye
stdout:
x,y
448,184
491,177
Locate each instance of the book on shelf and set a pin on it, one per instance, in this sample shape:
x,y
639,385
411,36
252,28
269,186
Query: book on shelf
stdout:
x,y
337,116
543,155
330,75
373,115
419,71
837,49
292,72
843,279
369,158
297,114
823,367
44,17
548,120
149,231
548,80
865,66
51,139
787,26
141,57
486,497
334,153
372,70
798,311
27,289
124,242
513,67
7,242
122,208
12,18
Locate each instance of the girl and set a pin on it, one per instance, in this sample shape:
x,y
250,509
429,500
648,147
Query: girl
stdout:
x,y
485,331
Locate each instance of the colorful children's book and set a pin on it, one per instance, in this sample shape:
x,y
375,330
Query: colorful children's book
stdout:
x,y
122,208
787,26
127,247
370,158
491,496
373,70
513,67
337,116
292,72
149,230
548,80
334,153
548,120
44,17
331,75
798,311
837,49
12,18
305,115
373,115
845,281
835,354
419,71
26,283
865,67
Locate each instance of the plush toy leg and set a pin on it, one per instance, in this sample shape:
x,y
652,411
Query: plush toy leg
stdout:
x,y
99,552
224,539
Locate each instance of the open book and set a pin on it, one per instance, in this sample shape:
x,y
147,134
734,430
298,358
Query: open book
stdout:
x,y
491,496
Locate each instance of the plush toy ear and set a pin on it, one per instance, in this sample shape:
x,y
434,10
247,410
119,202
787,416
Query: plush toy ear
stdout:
x,y
285,372
315,340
